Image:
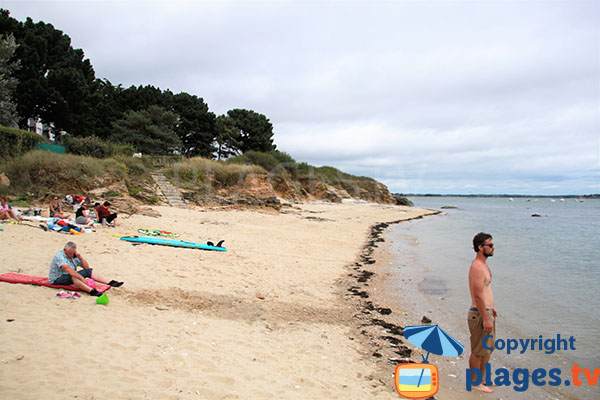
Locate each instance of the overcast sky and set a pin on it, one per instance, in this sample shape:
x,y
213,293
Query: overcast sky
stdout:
x,y
424,96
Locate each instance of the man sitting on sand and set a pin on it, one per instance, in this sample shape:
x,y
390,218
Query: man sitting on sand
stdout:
x,y
104,215
482,315
63,271
56,209
6,211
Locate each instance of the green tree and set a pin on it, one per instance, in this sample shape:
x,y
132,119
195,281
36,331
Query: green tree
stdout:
x,y
106,109
255,130
55,81
196,125
8,83
227,141
141,97
150,131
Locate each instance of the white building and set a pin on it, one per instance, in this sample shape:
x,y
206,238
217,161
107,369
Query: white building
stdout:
x,y
46,130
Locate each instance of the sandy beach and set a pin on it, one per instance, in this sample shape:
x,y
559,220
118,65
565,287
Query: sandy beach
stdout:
x,y
270,318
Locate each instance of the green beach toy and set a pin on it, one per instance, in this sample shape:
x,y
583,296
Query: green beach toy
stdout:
x,y
104,300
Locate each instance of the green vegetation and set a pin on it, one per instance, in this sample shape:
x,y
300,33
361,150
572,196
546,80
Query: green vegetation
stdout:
x,y
93,146
197,173
273,161
150,131
8,83
14,142
53,81
39,172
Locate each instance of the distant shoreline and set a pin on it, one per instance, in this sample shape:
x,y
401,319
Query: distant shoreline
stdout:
x,y
537,196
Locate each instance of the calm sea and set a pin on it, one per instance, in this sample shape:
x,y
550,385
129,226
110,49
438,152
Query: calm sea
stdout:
x,y
546,271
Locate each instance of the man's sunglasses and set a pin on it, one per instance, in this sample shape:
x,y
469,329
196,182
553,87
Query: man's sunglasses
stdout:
x,y
491,245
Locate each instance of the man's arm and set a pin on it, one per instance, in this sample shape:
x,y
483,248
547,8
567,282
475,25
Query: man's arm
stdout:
x,y
84,263
73,273
477,288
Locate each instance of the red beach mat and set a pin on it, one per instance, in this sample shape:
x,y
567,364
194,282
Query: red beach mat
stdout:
x,y
12,277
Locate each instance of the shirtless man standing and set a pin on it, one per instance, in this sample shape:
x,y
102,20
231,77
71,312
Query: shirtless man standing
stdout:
x,y
482,314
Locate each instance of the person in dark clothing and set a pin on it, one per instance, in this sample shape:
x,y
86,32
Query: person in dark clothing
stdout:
x,y
105,216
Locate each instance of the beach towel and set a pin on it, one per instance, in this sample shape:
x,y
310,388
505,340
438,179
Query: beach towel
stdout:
x,y
12,277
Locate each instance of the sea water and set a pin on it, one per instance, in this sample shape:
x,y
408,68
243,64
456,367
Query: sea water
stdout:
x,y
546,273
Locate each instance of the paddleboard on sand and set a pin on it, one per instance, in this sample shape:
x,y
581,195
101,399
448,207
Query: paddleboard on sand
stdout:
x,y
171,242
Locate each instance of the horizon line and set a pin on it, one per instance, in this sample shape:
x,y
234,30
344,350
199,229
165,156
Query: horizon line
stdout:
x,y
496,195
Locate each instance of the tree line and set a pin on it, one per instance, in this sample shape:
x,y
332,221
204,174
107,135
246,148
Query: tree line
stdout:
x,y
43,76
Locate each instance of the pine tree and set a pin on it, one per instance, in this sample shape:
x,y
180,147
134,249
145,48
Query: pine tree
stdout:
x,y
8,83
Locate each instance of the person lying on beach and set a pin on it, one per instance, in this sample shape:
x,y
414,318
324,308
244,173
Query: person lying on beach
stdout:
x,y
104,215
82,218
6,211
56,209
76,201
63,271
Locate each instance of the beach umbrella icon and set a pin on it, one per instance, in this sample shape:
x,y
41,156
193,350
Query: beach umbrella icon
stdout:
x,y
433,339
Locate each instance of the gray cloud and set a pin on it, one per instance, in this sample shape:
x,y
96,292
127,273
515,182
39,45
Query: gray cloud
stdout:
x,y
424,96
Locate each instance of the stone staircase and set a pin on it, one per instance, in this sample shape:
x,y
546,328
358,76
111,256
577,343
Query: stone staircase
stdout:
x,y
169,191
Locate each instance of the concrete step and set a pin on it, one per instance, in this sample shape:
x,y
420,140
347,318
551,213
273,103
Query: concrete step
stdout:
x,y
169,192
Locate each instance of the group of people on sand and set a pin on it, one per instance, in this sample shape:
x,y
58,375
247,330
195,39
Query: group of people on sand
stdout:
x,y
104,215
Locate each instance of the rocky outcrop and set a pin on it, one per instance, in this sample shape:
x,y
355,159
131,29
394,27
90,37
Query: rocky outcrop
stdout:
x,y
402,201
263,190
4,181
106,188
367,190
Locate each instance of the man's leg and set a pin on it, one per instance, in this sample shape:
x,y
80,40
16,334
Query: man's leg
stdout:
x,y
100,279
67,280
82,286
479,362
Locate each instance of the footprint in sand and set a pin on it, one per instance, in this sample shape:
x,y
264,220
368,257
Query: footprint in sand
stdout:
x,y
227,380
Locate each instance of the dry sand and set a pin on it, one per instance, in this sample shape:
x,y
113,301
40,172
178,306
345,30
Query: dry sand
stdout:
x,y
270,318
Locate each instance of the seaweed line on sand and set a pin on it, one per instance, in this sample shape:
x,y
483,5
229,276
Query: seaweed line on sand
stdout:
x,y
383,340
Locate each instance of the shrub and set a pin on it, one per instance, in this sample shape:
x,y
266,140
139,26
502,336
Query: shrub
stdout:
x,y
15,142
197,172
286,161
273,161
265,160
229,175
40,172
136,168
93,146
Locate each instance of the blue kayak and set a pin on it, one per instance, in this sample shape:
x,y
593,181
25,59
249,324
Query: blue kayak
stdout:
x,y
171,242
